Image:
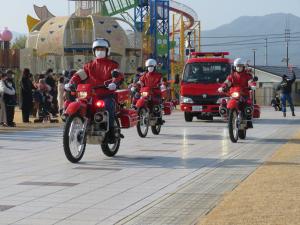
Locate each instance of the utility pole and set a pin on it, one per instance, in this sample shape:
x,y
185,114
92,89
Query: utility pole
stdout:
x,y
254,51
287,39
254,94
266,52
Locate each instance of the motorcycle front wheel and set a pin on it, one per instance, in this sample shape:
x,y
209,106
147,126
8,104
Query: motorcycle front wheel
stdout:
x,y
74,142
156,129
233,125
111,149
242,134
143,123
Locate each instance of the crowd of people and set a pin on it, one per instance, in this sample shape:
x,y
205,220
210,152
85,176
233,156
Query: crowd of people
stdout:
x,y
40,96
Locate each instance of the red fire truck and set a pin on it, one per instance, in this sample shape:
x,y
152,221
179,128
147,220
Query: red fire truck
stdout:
x,y
203,74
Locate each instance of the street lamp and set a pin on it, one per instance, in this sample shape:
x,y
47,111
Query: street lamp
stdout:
x,y
188,44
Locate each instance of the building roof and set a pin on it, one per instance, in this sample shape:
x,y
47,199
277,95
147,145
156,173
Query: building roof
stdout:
x,y
279,70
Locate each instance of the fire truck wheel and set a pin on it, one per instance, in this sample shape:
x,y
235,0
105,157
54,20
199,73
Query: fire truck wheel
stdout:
x,y
188,117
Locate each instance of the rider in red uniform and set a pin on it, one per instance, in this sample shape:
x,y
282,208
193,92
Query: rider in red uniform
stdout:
x,y
153,79
101,71
240,77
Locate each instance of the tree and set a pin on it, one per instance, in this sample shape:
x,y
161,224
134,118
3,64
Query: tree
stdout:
x,y
19,42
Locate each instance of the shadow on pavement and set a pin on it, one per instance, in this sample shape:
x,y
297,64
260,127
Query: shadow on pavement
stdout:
x,y
194,136
172,162
282,121
274,140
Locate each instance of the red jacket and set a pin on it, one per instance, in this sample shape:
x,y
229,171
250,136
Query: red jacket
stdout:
x,y
241,80
151,79
98,72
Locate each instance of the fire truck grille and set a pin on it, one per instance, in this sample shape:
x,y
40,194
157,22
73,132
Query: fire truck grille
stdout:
x,y
209,100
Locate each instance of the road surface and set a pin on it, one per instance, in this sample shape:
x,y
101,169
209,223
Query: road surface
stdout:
x,y
173,178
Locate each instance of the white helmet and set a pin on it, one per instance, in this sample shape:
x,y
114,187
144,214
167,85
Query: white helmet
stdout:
x,y
151,62
239,64
102,43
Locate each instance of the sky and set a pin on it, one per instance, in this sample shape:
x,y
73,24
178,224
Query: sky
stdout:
x,y
212,13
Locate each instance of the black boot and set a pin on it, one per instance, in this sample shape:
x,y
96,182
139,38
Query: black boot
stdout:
x,y
249,124
293,113
284,114
160,121
112,135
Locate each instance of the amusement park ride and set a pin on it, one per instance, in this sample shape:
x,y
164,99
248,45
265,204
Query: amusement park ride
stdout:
x,y
163,26
153,19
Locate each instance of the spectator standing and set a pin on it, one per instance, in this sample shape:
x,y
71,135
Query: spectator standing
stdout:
x,y
60,94
286,88
3,121
50,80
26,100
9,97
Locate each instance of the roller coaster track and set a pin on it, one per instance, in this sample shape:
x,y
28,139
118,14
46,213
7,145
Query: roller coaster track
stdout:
x,y
115,7
186,11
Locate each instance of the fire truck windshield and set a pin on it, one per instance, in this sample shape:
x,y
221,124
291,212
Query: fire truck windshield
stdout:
x,y
206,72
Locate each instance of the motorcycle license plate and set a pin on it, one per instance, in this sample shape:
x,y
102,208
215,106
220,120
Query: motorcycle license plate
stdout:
x,y
197,108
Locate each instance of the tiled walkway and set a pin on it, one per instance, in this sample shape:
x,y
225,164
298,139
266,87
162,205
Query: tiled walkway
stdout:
x,y
173,178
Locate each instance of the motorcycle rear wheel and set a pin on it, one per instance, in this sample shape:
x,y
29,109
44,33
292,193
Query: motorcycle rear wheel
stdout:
x,y
73,143
143,123
233,125
111,150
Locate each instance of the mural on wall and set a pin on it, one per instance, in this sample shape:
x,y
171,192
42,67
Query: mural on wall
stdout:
x,y
50,62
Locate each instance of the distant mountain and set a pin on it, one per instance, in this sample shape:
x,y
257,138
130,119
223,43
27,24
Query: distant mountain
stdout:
x,y
270,26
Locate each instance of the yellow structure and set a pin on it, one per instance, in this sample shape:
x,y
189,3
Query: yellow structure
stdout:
x,y
64,43
31,22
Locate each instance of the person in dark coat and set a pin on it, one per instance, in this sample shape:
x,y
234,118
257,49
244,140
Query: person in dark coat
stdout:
x,y
50,80
10,98
26,100
286,88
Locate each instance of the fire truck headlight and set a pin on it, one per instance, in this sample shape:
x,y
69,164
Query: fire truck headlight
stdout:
x,y
186,100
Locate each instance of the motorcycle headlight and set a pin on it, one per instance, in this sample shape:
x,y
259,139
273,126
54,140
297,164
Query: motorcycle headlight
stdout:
x,y
186,100
145,94
222,100
235,95
82,94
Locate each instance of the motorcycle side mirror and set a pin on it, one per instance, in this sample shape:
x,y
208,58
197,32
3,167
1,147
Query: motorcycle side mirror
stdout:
x,y
255,78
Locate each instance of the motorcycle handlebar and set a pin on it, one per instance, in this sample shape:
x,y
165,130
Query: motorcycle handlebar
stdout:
x,y
99,87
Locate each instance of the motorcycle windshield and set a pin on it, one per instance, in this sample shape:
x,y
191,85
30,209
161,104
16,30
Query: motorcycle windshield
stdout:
x,y
236,89
206,72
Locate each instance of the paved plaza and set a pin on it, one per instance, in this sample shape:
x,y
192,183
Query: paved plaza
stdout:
x,y
174,178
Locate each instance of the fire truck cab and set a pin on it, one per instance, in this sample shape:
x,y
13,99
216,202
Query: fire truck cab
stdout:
x,y
203,74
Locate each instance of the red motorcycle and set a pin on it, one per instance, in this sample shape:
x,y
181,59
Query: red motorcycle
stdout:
x,y
223,110
240,113
150,110
87,122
